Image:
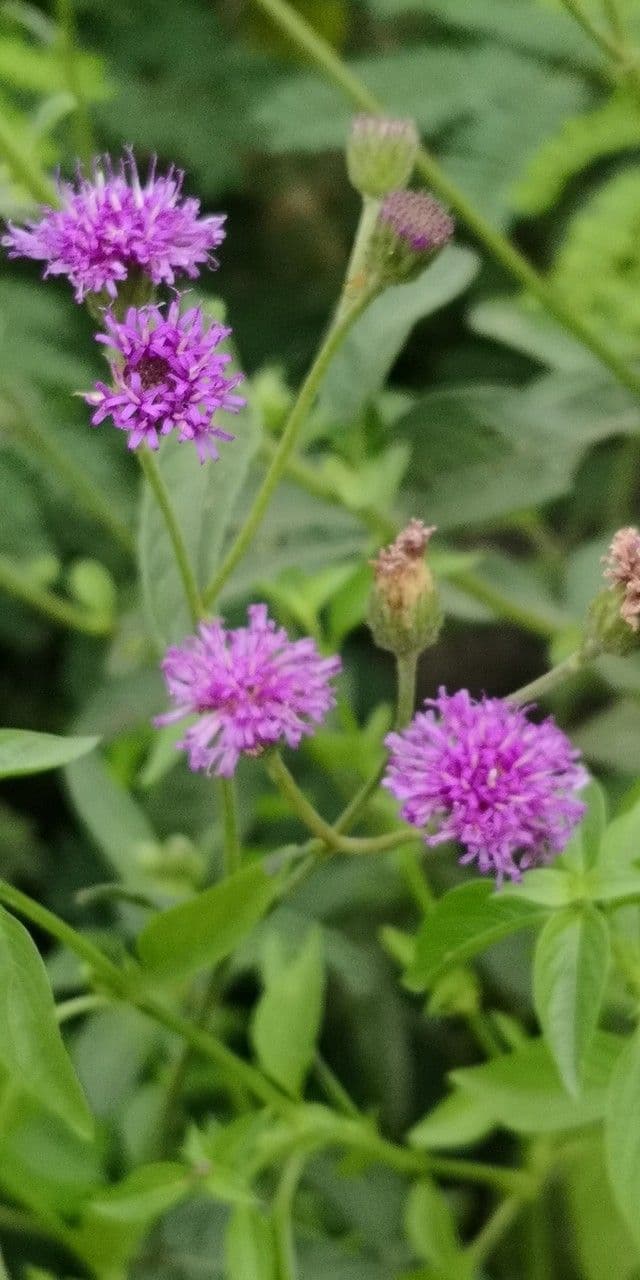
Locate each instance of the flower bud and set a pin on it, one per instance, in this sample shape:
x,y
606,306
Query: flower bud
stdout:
x,y
381,154
411,230
404,610
613,620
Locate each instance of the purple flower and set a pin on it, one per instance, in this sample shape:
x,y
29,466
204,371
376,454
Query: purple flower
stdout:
x,y
481,773
110,225
250,688
167,374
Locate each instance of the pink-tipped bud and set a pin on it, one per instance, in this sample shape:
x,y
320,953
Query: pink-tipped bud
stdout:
x,y
381,154
404,610
412,229
614,615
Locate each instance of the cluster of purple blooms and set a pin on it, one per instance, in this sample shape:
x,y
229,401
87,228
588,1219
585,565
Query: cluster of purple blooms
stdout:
x,y
478,772
109,232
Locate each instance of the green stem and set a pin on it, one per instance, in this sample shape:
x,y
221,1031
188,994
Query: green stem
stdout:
x,y
356,276
332,1088
495,1228
407,671
156,482
311,479
79,1005
73,477
320,52
503,607
25,168
314,822
67,43
603,40
545,684
14,581
283,1218
231,850
286,444
64,933
417,883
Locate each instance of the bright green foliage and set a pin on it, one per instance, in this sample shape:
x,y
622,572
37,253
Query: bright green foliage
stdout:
x,y
287,1019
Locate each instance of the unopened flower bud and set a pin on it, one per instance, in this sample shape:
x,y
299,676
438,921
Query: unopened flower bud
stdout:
x,y
613,622
381,154
411,230
404,610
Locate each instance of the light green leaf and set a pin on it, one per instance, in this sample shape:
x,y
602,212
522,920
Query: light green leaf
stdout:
x,y
601,1239
431,1229
524,1091
249,1246
622,1135
459,1120
117,823
31,1047
203,497
465,922
23,752
544,886
361,366
143,1195
288,1016
203,930
570,974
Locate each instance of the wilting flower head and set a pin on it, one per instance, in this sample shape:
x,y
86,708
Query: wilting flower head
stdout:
x,y
381,154
250,688
622,568
168,374
111,225
483,774
404,611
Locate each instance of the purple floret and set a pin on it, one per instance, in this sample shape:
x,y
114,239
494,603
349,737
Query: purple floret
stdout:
x,y
250,688
417,219
168,374
483,774
110,225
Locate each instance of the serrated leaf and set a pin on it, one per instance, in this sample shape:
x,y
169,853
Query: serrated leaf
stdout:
x,y
466,921
23,752
570,973
203,930
524,1091
31,1048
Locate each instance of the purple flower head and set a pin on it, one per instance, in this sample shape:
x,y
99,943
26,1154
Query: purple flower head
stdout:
x,y
167,374
483,774
249,688
110,225
417,219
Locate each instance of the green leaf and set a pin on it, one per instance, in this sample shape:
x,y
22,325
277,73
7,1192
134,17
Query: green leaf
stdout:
x,y
288,1016
601,1240
23,752
31,1048
622,1134
143,1195
249,1246
570,974
458,1121
203,498
522,324
465,922
524,1091
200,932
360,368
546,887
432,1231
118,825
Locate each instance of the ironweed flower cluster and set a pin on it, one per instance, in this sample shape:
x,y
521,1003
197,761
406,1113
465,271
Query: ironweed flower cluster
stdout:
x,y
478,772
484,774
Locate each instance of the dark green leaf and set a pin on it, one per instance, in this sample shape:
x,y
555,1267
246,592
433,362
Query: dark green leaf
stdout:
x,y
31,1048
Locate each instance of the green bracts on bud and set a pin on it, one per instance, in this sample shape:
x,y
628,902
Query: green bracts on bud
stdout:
x,y
606,630
381,154
405,615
